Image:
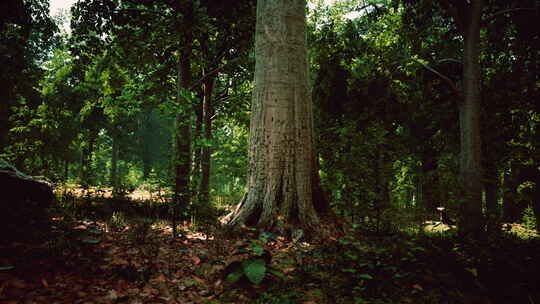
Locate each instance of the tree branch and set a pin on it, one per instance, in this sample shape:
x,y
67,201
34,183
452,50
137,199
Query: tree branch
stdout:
x,y
454,12
212,73
506,11
449,81
450,60
143,10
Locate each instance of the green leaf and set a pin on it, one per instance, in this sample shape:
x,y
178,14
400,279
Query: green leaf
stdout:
x,y
255,270
365,276
233,277
91,241
6,268
257,249
278,274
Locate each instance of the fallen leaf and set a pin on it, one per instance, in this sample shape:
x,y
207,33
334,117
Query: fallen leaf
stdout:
x,y
45,283
119,261
150,290
80,227
112,295
417,286
160,278
18,284
196,260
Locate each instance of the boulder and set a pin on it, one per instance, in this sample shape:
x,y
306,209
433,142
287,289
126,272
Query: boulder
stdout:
x,y
24,201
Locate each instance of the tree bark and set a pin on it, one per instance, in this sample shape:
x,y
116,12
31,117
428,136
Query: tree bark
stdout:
x,y
4,118
86,159
196,137
66,170
511,211
282,186
114,160
145,144
490,187
208,112
471,218
182,189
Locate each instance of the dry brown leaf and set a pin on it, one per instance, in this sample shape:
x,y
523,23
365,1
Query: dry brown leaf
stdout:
x,y
112,295
18,283
196,260
160,278
119,261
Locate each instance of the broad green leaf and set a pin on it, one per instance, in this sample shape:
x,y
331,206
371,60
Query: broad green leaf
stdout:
x,y
5,268
91,241
255,270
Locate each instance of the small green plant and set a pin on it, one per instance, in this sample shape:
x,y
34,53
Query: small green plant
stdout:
x,y
528,220
117,221
255,264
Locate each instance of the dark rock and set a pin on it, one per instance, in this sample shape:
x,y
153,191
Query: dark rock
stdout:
x,y
24,201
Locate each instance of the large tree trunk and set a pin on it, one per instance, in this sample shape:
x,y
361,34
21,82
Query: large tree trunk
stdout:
x,y
471,218
282,181
208,111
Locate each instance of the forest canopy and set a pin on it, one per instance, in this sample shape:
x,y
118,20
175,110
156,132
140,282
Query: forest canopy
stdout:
x,y
299,119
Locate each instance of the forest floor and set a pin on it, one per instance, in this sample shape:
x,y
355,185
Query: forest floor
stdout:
x,y
136,260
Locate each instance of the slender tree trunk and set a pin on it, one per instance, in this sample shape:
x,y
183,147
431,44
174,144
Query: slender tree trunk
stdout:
x,y
5,94
86,159
66,170
471,219
490,187
281,178
381,181
145,145
208,112
147,166
197,138
182,191
430,180
114,160
510,212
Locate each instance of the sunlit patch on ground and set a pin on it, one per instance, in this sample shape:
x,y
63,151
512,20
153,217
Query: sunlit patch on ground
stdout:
x,y
436,226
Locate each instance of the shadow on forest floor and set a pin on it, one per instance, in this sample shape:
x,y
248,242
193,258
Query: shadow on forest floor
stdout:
x,y
94,255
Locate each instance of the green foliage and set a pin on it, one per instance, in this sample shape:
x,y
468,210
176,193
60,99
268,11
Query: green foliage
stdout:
x,y
529,220
255,263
